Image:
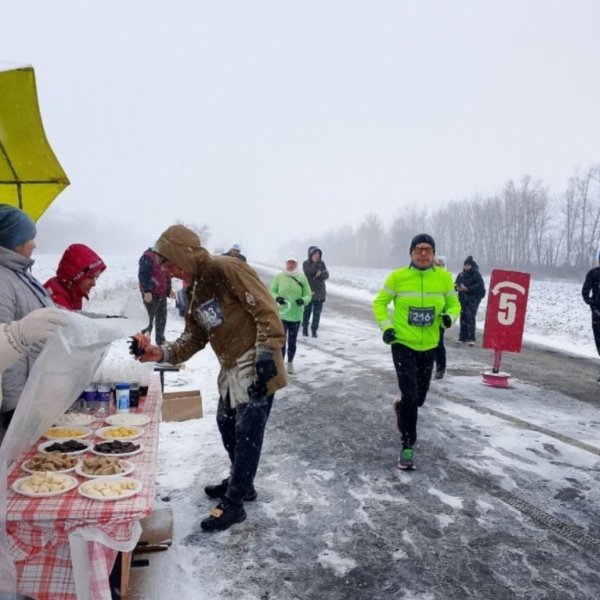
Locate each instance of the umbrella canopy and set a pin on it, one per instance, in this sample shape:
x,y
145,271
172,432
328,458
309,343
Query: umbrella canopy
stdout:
x,y
30,175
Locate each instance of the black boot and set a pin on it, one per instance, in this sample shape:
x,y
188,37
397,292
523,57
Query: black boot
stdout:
x,y
220,489
305,330
314,333
223,516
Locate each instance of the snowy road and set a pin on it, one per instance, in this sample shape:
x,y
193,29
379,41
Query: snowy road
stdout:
x,y
504,504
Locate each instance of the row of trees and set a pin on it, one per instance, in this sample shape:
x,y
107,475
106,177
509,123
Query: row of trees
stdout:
x,y
520,227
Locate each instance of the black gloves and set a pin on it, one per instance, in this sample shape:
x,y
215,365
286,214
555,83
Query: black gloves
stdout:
x,y
266,369
134,347
299,301
389,335
280,300
446,321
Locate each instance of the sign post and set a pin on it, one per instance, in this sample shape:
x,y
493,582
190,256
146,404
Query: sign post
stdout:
x,y
504,319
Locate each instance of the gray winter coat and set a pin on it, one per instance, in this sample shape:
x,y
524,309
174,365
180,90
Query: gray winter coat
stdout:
x,y
20,293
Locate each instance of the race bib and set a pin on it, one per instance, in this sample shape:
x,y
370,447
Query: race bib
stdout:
x,y
421,317
209,314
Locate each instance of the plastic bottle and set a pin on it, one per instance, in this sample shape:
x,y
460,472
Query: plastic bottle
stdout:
x,y
103,399
134,394
89,396
122,397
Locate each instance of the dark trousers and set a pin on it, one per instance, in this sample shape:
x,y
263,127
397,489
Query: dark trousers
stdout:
x,y
316,307
468,312
413,369
596,328
242,432
157,312
291,336
440,353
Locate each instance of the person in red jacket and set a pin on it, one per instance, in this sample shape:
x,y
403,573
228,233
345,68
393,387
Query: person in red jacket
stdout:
x,y
77,273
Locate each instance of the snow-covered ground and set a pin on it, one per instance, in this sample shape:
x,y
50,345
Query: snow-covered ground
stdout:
x,y
191,451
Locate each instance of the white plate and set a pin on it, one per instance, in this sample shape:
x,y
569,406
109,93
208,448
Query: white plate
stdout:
x,y
83,432
71,483
42,447
26,468
128,419
82,489
123,455
74,420
104,433
128,468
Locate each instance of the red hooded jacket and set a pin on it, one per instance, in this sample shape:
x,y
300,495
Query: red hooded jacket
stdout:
x,y
77,262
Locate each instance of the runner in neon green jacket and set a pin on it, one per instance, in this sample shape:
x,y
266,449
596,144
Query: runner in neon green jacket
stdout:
x,y
424,300
420,297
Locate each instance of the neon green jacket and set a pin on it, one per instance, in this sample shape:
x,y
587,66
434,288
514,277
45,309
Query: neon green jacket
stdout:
x,y
419,298
291,288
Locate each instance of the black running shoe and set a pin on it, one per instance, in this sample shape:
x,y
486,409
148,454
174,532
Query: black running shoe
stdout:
x,y
223,516
219,491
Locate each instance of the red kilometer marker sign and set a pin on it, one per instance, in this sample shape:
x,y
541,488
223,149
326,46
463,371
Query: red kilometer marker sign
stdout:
x,y
506,309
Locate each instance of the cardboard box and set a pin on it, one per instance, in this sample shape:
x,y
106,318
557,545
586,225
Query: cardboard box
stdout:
x,y
182,406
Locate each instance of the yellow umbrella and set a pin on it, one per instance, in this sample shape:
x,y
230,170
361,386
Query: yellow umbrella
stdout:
x,y
30,175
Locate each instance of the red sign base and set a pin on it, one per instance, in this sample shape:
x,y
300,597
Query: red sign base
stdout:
x,y
495,379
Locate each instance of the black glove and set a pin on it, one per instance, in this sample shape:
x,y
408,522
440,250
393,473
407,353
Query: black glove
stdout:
x,y
446,321
389,335
280,300
299,301
134,347
266,368
258,389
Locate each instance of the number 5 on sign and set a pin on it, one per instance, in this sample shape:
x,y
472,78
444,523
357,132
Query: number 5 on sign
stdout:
x,y
506,309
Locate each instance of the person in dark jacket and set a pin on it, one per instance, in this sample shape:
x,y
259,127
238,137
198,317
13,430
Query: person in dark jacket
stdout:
x,y
76,275
471,290
316,273
591,296
440,351
235,252
155,286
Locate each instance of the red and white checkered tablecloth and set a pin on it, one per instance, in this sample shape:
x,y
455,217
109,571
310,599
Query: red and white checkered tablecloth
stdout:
x,y
38,528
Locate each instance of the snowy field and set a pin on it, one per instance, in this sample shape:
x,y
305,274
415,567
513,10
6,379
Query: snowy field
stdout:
x,y
191,452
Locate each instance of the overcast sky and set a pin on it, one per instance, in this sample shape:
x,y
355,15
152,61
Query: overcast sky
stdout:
x,y
273,119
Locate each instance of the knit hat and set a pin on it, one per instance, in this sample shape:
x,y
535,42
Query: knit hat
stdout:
x,y
236,246
422,238
471,261
291,258
16,227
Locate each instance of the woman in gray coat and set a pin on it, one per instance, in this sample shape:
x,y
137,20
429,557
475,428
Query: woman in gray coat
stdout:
x,y
20,293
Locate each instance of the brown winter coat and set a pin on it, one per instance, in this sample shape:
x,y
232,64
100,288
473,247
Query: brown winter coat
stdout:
x,y
228,305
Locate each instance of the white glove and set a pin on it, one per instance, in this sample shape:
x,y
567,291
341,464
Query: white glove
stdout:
x,y
38,325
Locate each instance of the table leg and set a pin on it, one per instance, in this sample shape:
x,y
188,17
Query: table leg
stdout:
x,y
125,567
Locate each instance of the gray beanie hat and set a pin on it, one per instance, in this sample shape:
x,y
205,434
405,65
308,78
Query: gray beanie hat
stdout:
x,y
16,227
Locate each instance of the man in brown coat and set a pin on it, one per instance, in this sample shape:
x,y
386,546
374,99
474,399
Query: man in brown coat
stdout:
x,y
230,308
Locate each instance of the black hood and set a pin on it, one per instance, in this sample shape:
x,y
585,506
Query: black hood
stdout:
x,y
312,250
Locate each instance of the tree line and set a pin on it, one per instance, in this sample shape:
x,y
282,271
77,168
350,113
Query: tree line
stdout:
x,y
520,227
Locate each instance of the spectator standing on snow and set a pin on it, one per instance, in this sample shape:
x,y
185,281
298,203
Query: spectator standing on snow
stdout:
x,y
316,273
232,310
423,299
440,351
235,252
20,294
591,296
471,291
155,286
76,275
292,292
